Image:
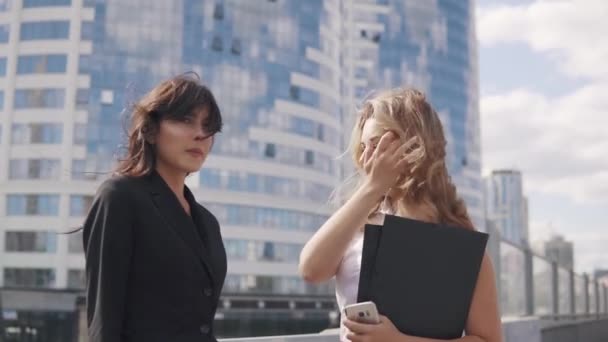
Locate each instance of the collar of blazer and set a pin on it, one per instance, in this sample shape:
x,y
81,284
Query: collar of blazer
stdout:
x,y
191,229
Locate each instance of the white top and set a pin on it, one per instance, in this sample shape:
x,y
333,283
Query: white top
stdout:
x,y
347,276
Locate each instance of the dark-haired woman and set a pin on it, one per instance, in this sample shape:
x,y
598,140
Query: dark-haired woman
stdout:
x,y
155,261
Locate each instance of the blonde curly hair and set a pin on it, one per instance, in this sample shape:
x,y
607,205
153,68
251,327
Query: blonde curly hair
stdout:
x,y
425,181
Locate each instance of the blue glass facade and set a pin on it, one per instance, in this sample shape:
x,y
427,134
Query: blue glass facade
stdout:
x,y
430,45
4,33
506,205
285,85
2,66
40,64
45,3
32,205
40,30
260,73
51,98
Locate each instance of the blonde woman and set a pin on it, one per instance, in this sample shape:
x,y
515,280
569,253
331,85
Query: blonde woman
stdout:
x,y
398,146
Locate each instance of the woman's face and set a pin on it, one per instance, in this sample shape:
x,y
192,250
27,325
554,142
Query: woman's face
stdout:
x,y
370,136
182,145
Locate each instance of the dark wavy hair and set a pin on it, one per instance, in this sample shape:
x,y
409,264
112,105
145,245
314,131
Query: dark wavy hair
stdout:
x,y
172,99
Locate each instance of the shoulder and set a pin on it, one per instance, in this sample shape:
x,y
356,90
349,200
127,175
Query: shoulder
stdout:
x,y
207,214
116,188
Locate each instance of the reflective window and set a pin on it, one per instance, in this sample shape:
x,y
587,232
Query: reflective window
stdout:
x,y
44,3
52,29
75,243
82,99
5,5
35,169
37,133
32,205
29,277
40,64
24,241
39,98
266,217
80,204
237,249
76,279
4,32
2,66
80,134
273,284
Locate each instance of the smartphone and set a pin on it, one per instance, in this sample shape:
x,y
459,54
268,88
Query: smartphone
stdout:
x,y
365,312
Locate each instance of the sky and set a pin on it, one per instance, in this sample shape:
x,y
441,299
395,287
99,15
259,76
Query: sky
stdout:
x,y
544,110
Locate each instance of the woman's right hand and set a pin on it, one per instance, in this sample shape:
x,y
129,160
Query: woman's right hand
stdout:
x,y
385,164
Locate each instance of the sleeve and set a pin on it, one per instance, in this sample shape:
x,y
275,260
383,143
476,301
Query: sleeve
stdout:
x,y
108,240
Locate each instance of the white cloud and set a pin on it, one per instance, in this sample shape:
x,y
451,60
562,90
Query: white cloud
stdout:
x,y
559,144
574,32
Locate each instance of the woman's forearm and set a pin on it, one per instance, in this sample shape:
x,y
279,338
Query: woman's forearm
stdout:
x,y
321,256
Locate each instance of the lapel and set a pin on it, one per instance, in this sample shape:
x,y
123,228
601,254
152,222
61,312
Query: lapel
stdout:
x,y
191,233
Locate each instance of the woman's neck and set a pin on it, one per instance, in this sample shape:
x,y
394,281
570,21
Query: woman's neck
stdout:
x,y
421,211
175,180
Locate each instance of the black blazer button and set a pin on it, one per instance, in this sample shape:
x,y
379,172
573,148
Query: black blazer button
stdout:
x,y
208,292
205,329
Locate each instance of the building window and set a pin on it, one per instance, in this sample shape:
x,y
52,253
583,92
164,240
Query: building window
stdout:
x,y
4,33
52,29
45,3
82,99
1,100
363,34
216,44
78,167
29,277
32,205
218,11
5,5
86,30
309,158
2,66
270,151
376,38
84,64
80,134
321,132
80,204
76,279
39,98
236,46
75,243
37,133
42,64
238,249
31,242
34,169
294,92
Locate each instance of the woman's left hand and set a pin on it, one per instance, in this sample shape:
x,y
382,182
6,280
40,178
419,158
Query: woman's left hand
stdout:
x,y
385,331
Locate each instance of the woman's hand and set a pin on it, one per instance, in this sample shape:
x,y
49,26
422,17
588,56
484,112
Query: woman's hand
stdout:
x,y
386,163
385,331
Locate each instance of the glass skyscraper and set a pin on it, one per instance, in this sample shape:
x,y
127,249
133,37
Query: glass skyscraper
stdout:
x,y
506,205
287,74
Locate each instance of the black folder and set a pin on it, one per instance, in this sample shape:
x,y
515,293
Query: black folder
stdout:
x,y
421,275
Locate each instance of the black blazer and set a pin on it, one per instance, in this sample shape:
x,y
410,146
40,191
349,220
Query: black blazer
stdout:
x,y
153,272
